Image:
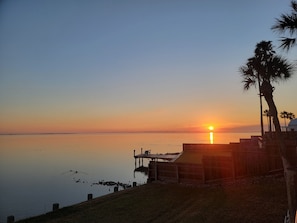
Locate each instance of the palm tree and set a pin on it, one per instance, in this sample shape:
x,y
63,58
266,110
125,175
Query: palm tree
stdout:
x,y
287,24
265,68
287,115
268,115
284,115
253,78
291,115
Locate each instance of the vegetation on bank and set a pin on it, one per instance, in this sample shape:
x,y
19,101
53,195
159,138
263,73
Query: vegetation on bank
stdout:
x,y
254,200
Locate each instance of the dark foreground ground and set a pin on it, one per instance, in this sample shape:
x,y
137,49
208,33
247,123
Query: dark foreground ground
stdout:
x,y
254,200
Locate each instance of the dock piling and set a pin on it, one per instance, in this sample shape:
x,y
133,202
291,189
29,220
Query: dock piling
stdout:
x,y
10,219
55,206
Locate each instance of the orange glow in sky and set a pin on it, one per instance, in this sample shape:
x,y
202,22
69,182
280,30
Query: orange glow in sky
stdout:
x,y
133,67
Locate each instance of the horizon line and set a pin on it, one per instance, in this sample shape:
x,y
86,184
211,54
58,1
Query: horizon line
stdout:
x,y
130,132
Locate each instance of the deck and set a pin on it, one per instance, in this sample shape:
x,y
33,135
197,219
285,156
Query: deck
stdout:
x,y
148,155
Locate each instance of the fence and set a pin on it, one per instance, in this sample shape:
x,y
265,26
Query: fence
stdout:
x,y
215,168
176,172
203,163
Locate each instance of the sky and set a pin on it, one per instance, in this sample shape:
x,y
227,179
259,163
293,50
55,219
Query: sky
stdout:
x,y
133,65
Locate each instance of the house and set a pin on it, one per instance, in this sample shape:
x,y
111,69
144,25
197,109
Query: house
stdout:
x,y
292,125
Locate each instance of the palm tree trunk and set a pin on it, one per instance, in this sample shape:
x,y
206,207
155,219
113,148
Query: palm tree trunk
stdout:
x,y
289,159
261,116
270,129
261,107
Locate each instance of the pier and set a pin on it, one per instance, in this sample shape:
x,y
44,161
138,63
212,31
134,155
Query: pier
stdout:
x,y
170,157
167,156
148,155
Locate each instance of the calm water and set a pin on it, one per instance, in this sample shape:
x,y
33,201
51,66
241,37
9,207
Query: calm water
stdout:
x,y
39,170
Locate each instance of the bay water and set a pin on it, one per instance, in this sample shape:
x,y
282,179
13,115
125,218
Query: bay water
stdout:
x,y
37,171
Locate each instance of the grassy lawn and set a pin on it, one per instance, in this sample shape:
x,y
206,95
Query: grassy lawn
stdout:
x,y
255,200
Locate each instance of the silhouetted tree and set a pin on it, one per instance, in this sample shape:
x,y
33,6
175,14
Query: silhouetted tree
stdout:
x,y
266,67
253,78
287,115
284,115
268,115
291,115
287,24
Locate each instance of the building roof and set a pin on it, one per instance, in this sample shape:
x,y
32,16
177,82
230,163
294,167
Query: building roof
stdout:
x,y
293,122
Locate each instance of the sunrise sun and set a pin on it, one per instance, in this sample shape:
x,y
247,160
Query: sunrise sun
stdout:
x,y
211,128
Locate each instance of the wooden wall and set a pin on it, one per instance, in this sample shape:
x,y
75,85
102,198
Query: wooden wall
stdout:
x,y
215,167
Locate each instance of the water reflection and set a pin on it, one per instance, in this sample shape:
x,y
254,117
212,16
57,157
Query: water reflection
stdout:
x,y
39,170
211,137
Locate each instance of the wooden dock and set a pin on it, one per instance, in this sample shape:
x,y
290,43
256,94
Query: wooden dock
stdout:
x,y
167,156
154,157
147,154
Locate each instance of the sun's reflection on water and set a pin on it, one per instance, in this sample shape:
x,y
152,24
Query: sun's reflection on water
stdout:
x,y
211,128
211,138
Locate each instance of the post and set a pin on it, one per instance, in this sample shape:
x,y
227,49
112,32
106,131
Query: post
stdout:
x,y
233,166
55,206
156,171
90,197
139,158
10,219
135,159
203,173
177,174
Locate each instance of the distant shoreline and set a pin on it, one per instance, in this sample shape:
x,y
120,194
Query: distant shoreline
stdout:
x,y
125,132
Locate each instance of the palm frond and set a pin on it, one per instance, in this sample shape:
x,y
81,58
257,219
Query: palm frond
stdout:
x,y
247,72
264,50
286,23
249,78
248,82
294,6
266,66
287,43
279,68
